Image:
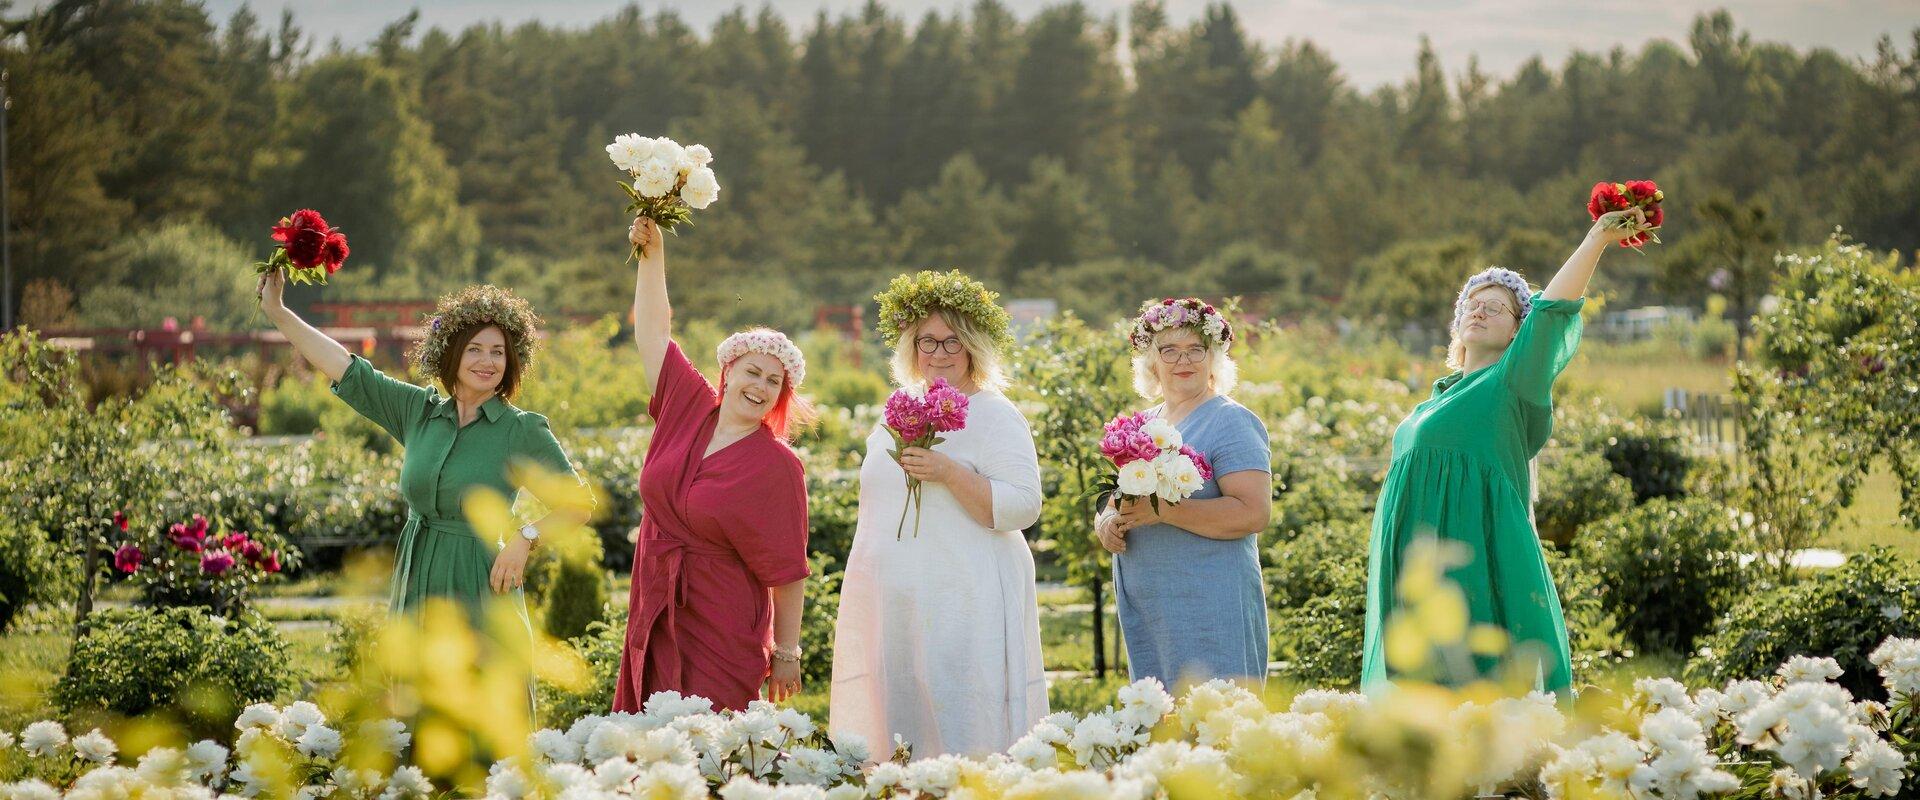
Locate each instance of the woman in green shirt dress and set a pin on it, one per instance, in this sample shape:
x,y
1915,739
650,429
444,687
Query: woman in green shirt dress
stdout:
x,y
1459,471
478,345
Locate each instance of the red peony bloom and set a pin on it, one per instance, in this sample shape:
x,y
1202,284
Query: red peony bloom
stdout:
x,y
1641,191
1606,197
127,559
271,564
334,252
305,235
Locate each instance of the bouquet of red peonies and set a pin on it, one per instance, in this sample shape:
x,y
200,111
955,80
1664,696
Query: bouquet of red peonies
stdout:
x,y
309,248
1643,195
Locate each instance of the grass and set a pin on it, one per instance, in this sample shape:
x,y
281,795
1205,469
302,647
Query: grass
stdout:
x,y
1636,377
1874,519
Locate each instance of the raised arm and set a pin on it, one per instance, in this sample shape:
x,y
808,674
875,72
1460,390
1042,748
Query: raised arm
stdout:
x,y
1570,283
652,313
317,348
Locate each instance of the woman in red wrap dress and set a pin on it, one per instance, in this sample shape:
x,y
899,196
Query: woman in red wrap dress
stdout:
x,y
719,566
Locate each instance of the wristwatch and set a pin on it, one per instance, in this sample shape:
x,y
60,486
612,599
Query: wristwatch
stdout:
x,y
529,532
786,653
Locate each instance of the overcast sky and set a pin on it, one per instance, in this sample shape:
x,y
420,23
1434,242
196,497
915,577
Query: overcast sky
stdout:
x,y
1374,41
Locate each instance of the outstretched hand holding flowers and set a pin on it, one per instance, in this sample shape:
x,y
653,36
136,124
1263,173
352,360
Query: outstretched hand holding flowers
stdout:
x,y
1629,212
668,181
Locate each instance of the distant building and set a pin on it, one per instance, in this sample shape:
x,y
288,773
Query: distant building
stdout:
x,y
1640,323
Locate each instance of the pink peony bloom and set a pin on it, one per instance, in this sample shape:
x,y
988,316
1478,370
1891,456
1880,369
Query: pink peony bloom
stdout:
x,y
271,563
127,559
1199,461
184,537
216,562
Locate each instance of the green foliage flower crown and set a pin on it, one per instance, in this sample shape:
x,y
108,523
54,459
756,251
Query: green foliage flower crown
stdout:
x,y
477,305
911,298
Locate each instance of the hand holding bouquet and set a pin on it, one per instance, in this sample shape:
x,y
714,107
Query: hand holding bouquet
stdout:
x,y
309,249
1634,206
668,180
1152,461
918,421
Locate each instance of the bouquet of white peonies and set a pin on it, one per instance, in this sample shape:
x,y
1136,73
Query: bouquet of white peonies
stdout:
x,y
669,181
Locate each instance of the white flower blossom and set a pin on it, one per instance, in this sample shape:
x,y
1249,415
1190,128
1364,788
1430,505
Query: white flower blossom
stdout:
x,y
506,779
206,759
43,738
1664,693
390,734
1164,435
163,766
295,718
94,746
1034,753
1877,768
935,776
1899,663
851,746
29,790
654,178
318,741
808,765
701,189
700,154
1805,669
407,783
553,745
629,150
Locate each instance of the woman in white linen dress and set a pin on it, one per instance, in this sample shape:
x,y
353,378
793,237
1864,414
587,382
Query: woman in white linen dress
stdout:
x,y
938,639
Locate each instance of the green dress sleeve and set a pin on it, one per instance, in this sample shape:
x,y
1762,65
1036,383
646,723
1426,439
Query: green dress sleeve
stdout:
x,y
394,405
1542,348
535,441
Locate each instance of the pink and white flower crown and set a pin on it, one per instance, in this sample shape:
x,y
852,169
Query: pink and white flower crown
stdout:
x,y
769,342
1189,312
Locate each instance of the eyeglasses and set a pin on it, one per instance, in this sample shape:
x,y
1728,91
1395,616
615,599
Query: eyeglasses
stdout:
x,y
930,345
1176,355
1491,307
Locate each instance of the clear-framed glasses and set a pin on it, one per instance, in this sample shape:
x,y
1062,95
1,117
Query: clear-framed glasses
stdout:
x,y
1492,308
1177,355
930,345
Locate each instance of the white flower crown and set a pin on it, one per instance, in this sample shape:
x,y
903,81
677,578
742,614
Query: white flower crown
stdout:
x,y
769,342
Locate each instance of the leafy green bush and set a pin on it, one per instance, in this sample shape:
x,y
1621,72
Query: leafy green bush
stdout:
x,y
1841,613
1317,588
1667,569
576,591
601,646
1576,489
132,660
30,570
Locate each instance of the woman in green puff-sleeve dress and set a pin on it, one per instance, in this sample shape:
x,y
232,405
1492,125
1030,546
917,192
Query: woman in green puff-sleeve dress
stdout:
x,y
478,345
1460,470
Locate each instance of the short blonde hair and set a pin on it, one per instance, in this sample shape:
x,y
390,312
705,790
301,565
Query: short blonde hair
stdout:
x,y
1457,350
1223,372
983,356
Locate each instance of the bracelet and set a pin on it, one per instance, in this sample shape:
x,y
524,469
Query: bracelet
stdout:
x,y
788,654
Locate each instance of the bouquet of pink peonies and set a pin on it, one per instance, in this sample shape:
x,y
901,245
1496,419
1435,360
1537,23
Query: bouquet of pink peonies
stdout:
x,y
918,421
1151,461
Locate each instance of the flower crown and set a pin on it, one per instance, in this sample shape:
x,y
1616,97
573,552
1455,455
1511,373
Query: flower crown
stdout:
x,y
1499,277
477,305
769,342
912,298
1190,312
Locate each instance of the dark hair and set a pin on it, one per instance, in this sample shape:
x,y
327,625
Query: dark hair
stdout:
x,y
457,347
